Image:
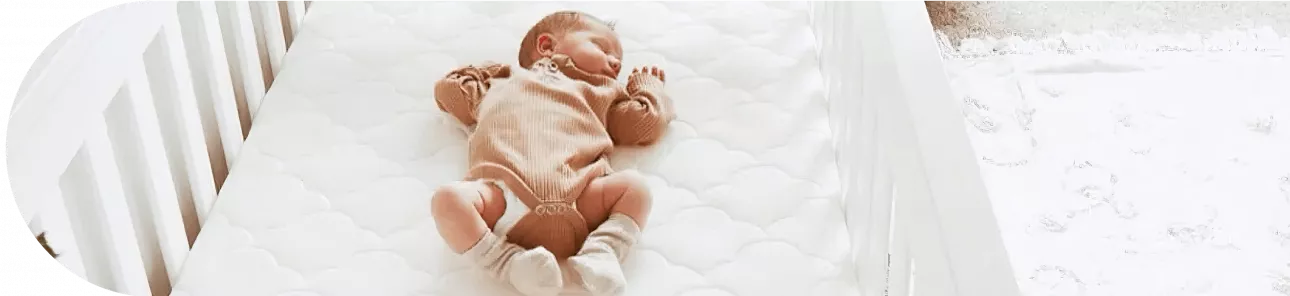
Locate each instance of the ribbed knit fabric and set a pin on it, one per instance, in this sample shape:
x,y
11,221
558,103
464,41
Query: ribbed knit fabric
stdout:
x,y
546,133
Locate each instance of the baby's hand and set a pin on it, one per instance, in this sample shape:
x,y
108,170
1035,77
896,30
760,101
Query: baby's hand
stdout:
x,y
496,70
645,76
480,74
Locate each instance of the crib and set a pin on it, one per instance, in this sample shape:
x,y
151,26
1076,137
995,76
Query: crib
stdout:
x,y
122,171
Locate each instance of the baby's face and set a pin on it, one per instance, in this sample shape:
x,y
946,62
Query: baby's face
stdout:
x,y
595,49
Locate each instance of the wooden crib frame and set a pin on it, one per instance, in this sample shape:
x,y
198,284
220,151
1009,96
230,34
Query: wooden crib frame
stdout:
x,y
121,169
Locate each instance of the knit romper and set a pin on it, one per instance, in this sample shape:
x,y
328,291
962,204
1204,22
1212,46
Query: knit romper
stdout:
x,y
545,133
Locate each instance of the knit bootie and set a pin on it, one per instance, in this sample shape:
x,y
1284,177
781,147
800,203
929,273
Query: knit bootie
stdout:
x,y
533,272
599,263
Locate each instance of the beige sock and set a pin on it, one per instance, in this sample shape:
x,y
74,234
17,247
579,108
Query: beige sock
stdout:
x,y
533,272
599,263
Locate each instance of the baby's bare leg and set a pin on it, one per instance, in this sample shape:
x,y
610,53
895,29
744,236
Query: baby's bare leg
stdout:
x,y
623,192
465,214
616,206
464,211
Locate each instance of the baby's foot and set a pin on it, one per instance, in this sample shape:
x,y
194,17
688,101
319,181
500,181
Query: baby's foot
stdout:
x,y
536,272
652,71
601,274
533,272
599,263
645,77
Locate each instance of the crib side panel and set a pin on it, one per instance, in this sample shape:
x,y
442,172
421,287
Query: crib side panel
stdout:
x,y
866,186
120,170
915,203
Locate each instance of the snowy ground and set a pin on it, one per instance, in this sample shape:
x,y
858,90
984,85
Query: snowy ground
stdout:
x,y
1128,162
1032,19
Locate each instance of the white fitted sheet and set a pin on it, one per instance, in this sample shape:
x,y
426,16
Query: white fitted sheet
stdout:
x,y
330,195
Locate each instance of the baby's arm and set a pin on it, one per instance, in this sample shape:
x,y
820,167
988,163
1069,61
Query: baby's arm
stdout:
x,y
643,116
460,92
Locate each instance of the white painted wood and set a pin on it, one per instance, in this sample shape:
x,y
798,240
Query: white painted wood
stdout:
x,y
126,266
900,273
892,130
295,15
867,183
162,198
35,122
878,215
204,39
32,172
43,136
172,80
77,186
122,200
56,222
136,186
270,35
956,245
245,58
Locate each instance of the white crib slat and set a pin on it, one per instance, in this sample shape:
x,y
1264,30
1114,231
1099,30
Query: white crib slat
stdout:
x,y
901,278
971,241
57,224
955,241
163,202
295,15
211,63
271,35
250,73
917,237
868,186
181,97
126,264
880,215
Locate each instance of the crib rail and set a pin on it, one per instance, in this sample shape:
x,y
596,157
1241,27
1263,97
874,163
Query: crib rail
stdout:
x,y
119,145
920,220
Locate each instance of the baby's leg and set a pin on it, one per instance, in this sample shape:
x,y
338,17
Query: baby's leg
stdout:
x,y
616,206
466,212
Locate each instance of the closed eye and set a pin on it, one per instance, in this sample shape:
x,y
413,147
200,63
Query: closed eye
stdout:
x,y
604,46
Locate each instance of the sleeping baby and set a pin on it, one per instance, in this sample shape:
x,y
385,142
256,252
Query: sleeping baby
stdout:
x,y
539,189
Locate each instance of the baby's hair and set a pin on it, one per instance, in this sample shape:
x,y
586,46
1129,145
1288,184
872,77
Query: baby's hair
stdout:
x,y
557,23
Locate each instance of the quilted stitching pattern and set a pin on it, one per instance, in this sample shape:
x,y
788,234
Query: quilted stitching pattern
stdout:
x,y
331,193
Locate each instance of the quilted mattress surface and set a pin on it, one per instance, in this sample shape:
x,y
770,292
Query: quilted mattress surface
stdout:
x,y
330,194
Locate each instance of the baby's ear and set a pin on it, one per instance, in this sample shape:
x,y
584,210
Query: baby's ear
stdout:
x,y
545,45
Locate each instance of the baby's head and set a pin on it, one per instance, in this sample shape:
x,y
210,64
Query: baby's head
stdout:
x,y
590,42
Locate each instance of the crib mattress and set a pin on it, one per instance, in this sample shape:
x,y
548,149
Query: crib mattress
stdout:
x,y
330,194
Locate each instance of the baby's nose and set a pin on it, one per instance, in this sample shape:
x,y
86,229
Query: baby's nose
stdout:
x,y
615,65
